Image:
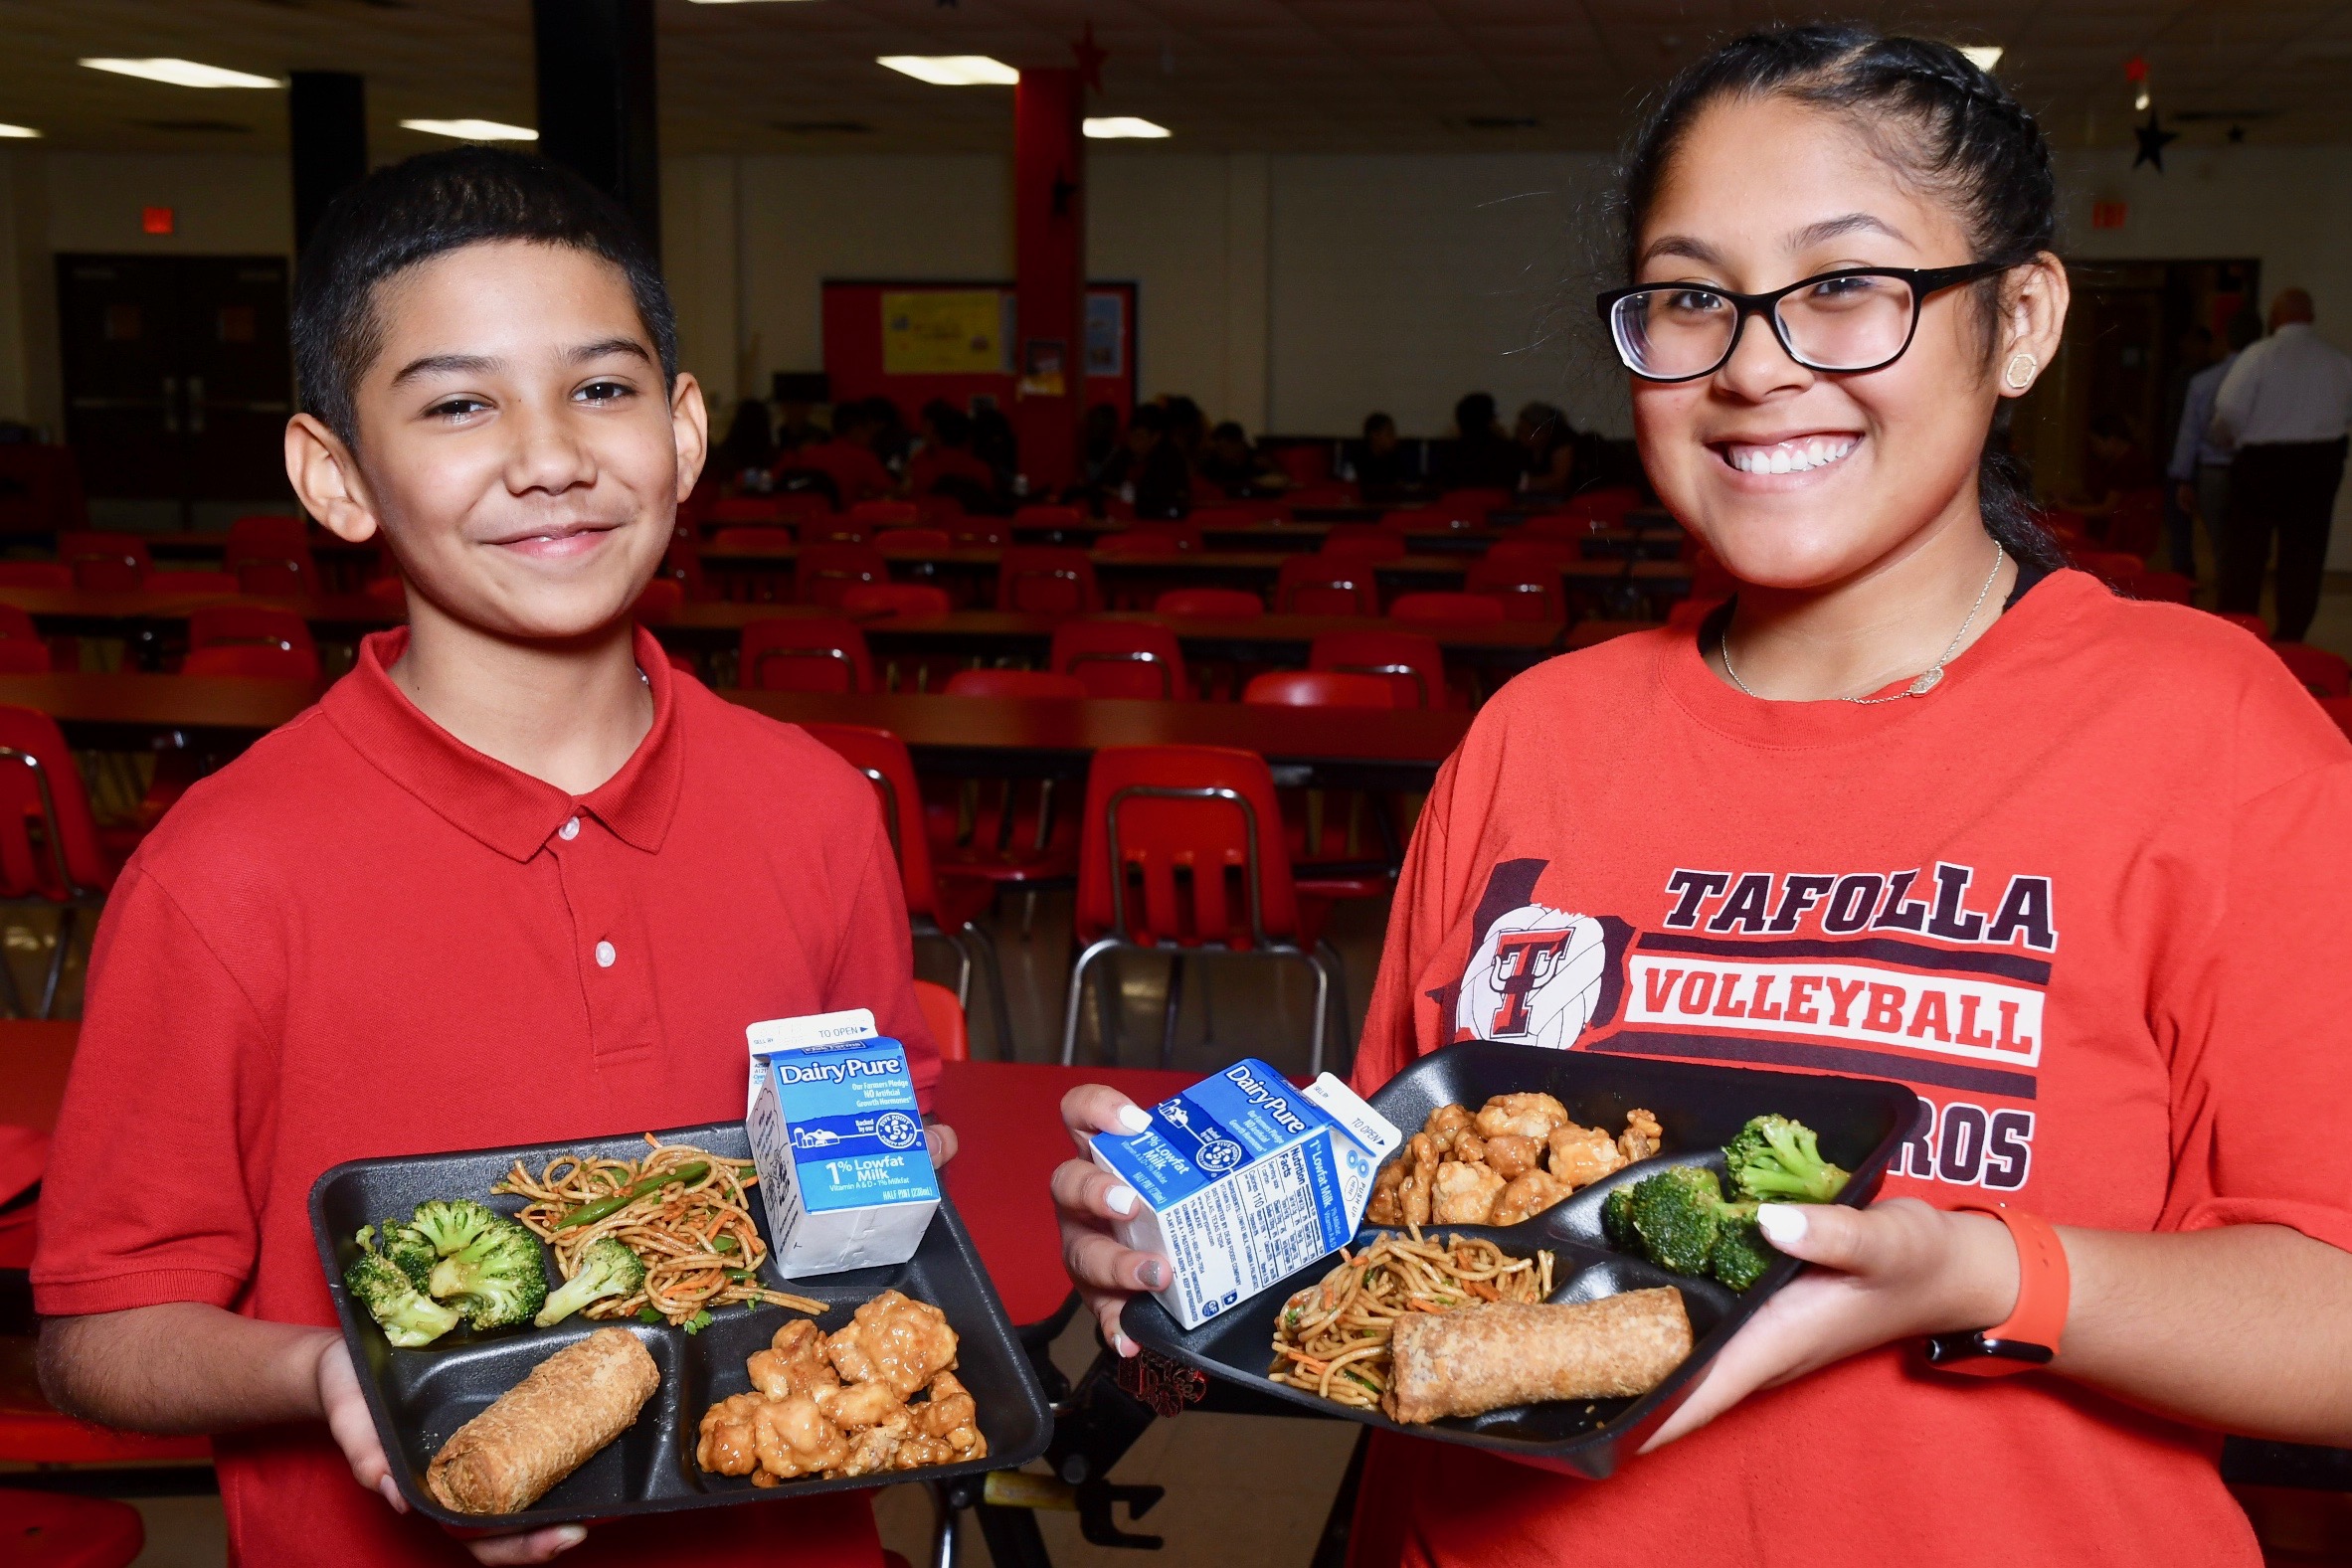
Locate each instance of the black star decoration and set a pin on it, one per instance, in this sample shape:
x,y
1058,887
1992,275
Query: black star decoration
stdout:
x,y
2152,138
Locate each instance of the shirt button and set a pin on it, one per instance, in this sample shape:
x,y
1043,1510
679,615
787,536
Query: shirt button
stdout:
x,y
604,955
570,829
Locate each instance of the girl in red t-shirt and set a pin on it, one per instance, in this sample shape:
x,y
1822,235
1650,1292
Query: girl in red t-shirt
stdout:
x,y
1922,804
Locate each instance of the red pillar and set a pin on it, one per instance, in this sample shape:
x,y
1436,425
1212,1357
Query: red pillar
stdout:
x,y
1049,258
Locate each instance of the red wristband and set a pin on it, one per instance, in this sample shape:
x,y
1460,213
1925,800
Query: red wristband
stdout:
x,y
2029,1337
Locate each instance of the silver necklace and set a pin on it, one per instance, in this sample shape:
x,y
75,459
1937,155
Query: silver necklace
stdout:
x,y
1928,677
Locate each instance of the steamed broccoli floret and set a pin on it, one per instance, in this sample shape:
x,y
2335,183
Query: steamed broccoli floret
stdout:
x,y
1776,1159
407,1317
1740,1255
1617,1217
1678,1214
404,1247
497,1279
607,1269
448,1225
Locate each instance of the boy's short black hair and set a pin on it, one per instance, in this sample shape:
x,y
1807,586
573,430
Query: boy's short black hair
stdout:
x,y
427,206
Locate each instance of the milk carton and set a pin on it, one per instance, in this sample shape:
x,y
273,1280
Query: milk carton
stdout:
x,y
843,1165
1245,1180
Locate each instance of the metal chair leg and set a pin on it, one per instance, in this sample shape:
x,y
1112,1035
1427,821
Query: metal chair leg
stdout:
x,y
1322,992
1174,1004
963,968
943,1529
1001,1008
9,992
1340,1016
67,917
1094,949
1110,999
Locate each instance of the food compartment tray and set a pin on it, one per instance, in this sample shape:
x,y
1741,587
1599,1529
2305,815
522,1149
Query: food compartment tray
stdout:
x,y
420,1397
1860,1123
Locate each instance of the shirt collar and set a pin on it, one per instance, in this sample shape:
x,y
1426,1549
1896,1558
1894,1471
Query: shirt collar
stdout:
x,y
502,807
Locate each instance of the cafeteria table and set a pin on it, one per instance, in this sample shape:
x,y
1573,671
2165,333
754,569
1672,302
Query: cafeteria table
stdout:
x,y
965,737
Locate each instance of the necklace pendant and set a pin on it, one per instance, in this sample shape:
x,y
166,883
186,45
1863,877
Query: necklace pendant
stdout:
x,y
1926,683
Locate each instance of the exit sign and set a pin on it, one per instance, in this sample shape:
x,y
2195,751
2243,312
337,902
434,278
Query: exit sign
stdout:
x,y
155,220
2109,215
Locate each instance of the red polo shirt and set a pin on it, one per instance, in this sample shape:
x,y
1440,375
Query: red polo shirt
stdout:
x,y
364,938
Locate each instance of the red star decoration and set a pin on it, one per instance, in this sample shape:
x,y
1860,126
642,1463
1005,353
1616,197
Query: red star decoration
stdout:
x,y
1091,56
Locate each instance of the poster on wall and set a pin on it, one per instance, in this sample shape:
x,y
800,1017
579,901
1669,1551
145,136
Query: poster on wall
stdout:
x,y
943,332
1106,334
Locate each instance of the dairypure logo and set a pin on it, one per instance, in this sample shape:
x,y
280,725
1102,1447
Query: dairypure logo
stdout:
x,y
839,1072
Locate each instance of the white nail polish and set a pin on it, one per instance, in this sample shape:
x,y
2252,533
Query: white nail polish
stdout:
x,y
1124,1345
1134,1118
1122,1202
1781,1223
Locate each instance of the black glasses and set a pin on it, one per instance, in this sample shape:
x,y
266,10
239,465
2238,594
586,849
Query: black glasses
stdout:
x,y
1860,318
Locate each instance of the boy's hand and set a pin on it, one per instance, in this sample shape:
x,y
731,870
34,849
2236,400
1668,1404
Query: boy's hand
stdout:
x,y
354,1431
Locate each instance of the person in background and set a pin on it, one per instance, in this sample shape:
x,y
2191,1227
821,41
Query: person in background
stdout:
x,y
1549,441
2200,468
848,459
1482,456
2116,467
749,447
1236,467
1383,459
1188,427
2196,352
1148,470
1098,440
2285,405
994,443
891,441
796,426
944,463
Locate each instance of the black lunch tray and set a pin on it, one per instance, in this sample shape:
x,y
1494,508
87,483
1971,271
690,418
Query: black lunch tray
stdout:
x,y
1860,1122
420,1397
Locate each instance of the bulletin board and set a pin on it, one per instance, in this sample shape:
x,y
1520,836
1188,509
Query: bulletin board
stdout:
x,y
915,341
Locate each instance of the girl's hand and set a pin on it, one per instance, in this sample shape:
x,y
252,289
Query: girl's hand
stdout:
x,y
354,1431
1894,1271
1089,1199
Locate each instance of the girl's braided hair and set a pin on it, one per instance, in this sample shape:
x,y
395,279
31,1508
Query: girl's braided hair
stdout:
x,y
1931,111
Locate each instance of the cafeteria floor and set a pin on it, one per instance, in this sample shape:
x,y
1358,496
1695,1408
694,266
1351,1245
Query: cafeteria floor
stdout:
x,y
1240,1489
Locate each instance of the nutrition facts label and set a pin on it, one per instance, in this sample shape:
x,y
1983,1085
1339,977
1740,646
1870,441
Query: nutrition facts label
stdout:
x,y
1244,1232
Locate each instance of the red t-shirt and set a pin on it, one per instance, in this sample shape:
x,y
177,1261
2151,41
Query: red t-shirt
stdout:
x,y
365,939
856,473
2087,898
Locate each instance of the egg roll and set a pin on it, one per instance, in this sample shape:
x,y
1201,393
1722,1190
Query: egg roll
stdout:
x,y
1475,1359
545,1427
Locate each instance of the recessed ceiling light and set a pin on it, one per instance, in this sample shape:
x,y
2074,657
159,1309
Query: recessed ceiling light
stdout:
x,y
1984,57
1121,127
953,71
472,130
183,72
18,132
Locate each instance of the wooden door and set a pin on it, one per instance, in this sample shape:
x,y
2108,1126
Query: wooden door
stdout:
x,y
178,378
120,326
236,376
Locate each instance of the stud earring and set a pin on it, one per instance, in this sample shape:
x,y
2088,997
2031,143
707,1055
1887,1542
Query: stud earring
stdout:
x,y
2016,380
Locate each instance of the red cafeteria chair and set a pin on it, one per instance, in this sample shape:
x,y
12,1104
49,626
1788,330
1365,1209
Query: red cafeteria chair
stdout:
x,y
194,582
48,1529
895,599
830,570
754,511
271,556
805,653
50,851
1326,844
2322,673
943,909
1324,585
22,652
753,581
658,600
2117,569
1180,851
53,575
1007,830
1209,604
2254,623
914,541
1410,661
1122,658
1365,542
979,533
1047,579
253,661
1043,516
1527,590
2340,710
2166,587
279,639
1446,610
884,514
944,1017
105,562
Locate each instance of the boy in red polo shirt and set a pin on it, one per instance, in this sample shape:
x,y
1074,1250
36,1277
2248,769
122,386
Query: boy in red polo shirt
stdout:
x,y
513,881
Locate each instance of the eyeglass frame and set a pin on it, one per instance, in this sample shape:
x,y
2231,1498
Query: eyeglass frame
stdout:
x,y
1923,281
